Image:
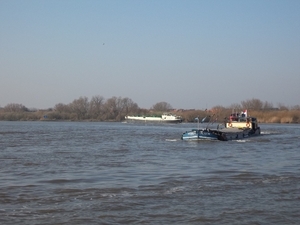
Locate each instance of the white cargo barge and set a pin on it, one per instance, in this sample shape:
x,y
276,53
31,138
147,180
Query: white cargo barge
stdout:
x,y
166,118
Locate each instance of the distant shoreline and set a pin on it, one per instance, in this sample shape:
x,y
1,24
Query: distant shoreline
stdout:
x,y
217,114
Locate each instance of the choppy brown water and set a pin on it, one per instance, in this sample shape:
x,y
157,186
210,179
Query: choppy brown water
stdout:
x,y
116,173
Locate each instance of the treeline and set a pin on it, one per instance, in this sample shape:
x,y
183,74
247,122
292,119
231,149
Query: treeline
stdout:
x,y
221,114
96,109
265,112
116,108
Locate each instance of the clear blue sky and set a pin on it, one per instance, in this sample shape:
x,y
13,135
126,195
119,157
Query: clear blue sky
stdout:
x,y
189,53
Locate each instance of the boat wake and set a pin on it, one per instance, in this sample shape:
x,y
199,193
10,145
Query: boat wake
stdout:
x,y
269,132
172,139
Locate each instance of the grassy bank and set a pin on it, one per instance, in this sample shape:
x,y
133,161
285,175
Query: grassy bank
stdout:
x,y
263,116
285,116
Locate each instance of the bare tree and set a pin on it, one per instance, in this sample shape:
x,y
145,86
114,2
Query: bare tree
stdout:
x,y
62,108
130,106
162,107
120,107
125,106
295,107
80,107
14,107
236,107
110,108
268,106
282,106
96,106
254,103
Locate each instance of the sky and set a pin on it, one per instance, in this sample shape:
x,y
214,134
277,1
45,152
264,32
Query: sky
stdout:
x,y
192,54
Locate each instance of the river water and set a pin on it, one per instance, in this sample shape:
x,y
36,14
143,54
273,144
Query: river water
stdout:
x,y
128,173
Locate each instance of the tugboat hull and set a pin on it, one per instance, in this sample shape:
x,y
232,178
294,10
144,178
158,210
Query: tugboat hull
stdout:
x,y
238,127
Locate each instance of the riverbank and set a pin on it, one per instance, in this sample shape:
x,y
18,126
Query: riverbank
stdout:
x,y
278,116
263,116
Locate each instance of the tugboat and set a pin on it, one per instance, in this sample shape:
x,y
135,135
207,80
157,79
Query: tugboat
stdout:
x,y
237,127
